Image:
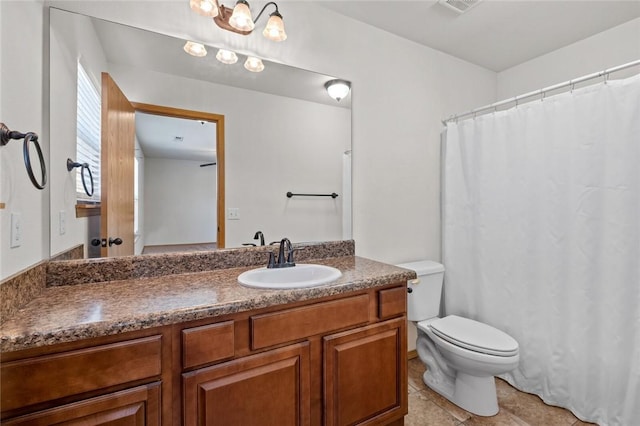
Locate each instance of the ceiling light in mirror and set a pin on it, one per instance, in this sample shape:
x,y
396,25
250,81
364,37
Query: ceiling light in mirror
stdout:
x,y
275,28
204,7
241,18
254,64
226,56
195,49
338,89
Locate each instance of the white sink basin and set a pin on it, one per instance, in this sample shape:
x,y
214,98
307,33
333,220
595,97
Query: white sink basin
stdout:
x,y
301,275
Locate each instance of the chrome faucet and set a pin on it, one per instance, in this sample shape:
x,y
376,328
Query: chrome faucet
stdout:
x,y
284,261
260,235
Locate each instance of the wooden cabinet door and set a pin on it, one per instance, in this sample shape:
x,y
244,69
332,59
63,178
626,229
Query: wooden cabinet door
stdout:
x,y
132,407
270,388
365,374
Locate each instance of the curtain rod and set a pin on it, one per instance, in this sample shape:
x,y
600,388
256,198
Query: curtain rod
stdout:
x,y
543,91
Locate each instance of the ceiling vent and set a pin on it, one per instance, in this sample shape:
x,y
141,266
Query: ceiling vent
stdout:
x,y
459,6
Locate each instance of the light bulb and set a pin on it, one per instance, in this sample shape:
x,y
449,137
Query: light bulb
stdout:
x,y
195,49
226,56
253,64
204,7
275,28
241,17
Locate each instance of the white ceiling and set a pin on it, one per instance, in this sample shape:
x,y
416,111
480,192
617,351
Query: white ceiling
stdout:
x,y
495,34
176,138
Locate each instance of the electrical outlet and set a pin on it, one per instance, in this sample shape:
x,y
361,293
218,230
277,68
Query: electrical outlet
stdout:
x,y
16,230
63,222
233,213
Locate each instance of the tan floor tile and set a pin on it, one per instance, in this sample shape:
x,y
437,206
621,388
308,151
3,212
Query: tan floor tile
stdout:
x,y
535,412
447,405
416,369
424,412
503,418
504,389
427,407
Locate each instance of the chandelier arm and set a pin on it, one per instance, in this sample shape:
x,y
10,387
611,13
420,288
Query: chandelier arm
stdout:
x,y
263,8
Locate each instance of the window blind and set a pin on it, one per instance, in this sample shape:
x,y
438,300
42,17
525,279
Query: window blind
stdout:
x,y
88,133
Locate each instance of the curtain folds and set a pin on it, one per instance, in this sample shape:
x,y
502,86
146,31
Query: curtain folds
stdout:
x,y
541,239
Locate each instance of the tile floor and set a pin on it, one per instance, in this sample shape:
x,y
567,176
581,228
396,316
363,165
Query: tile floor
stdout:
x,y
427,407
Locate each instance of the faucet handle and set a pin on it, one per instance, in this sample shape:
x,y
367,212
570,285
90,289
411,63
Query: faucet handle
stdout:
x,y
271,263
290,259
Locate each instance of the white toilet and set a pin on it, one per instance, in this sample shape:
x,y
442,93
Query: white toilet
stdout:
x,y
461,355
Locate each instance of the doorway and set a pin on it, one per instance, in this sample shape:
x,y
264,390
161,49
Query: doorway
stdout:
x,y
218,120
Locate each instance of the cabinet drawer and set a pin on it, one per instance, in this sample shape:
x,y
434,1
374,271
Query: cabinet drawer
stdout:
x,y
137,406
49,377
209,343
298,323
392,302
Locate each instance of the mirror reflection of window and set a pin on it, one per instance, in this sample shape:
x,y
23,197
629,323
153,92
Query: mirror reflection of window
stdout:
x,y
88,133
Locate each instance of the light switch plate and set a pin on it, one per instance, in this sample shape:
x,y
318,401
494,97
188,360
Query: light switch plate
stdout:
x,y
233,213
63,222
16,230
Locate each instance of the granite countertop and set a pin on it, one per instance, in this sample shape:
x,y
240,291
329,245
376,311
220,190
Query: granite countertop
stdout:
x,y
75,312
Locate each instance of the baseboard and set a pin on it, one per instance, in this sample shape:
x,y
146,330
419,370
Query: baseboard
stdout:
x,y
412,354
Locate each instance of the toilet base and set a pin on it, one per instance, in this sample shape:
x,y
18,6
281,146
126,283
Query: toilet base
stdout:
x,y
475,394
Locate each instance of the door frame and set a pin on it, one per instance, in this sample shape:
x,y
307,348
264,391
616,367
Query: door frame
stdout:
x,y
218,119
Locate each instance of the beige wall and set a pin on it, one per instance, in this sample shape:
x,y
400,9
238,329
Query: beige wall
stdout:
x,y
616,46
22,108
401,91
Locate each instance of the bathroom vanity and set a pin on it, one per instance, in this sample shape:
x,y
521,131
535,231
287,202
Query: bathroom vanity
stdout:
x,y
200,349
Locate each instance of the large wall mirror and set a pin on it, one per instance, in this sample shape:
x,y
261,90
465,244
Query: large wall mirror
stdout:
x,y
215,146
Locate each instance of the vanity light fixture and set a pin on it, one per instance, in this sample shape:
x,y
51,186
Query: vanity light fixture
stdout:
x,y
338,89
239,20
195,49
254,64
227,56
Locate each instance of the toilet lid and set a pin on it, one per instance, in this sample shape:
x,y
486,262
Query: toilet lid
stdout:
x,y
474,335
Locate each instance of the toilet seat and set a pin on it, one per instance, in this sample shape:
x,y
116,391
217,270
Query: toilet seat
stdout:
x,y
474,336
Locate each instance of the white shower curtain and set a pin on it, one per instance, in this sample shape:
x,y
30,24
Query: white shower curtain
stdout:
x,y
541,238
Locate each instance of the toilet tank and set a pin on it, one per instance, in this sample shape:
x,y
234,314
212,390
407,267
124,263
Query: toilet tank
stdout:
x,y
423,299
